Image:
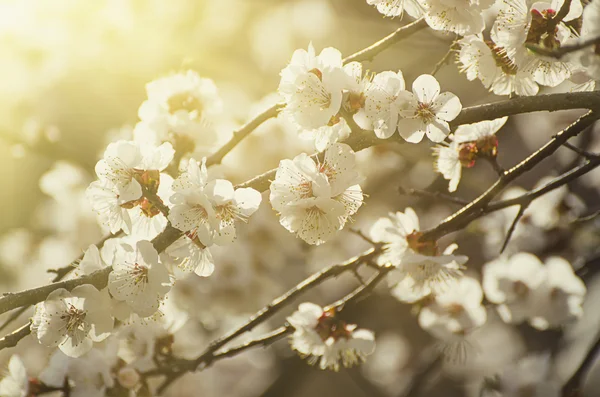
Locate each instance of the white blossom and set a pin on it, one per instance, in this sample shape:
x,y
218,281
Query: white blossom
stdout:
x,y
454,312
312,87
396,8
208,209
420,269
468,142
138,278
427,112
327,340
382,104
108,202
73,320
560,298
187,255
325,136
123,162
456,16
16,382
314,200
519,25
485,61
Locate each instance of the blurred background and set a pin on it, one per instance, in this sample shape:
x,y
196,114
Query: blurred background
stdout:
x,y
72,76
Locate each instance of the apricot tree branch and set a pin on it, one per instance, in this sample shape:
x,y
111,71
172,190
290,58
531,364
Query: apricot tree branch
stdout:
x,y
477,207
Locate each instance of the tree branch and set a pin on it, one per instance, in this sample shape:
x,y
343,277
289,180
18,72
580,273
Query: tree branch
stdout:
x,y
13,338
547,102
243,132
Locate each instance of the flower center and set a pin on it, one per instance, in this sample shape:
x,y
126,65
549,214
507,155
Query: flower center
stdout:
x,y
74,317
424,112
185,101
520,289
467,154
139,274
329,326
455,309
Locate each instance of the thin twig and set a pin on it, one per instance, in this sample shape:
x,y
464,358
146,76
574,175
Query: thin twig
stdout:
x,y
513,225
263,341
242,133
581,152
371,51
445,58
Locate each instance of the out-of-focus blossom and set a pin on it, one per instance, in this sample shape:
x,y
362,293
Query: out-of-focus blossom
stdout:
x,y
396,8
547,295
15,383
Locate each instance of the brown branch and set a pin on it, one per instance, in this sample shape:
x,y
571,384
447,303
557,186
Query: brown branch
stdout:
x,y
13,338
539,103
32,296
99,278
513,225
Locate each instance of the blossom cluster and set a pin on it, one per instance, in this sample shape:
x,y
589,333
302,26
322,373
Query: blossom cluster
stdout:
x,y
160,181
